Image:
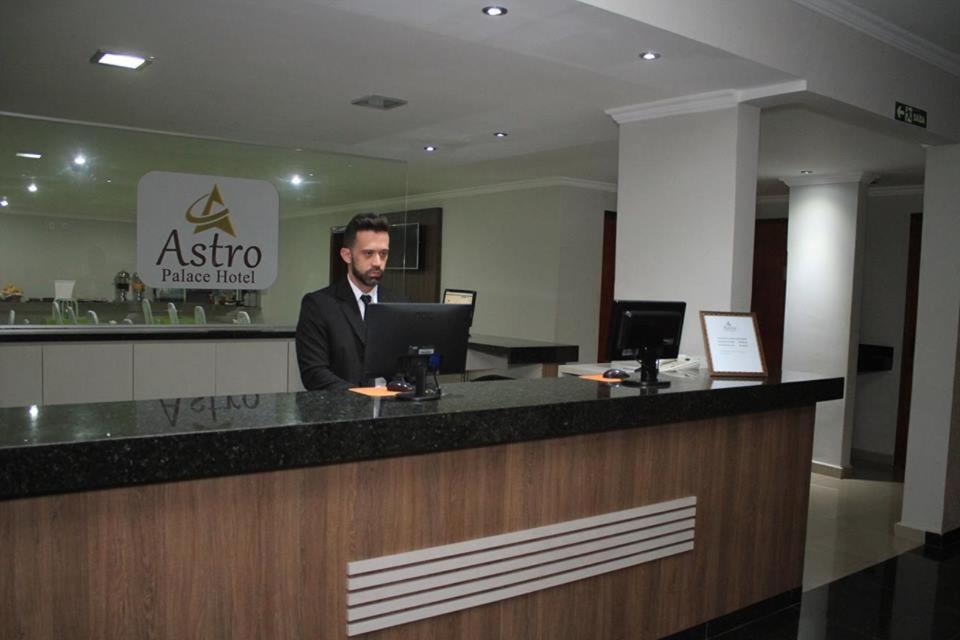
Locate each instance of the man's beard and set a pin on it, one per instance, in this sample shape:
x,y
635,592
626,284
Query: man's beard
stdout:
x,y
370,278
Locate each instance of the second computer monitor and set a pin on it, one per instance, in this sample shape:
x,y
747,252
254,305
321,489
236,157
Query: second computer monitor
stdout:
x,y
461,296
646,331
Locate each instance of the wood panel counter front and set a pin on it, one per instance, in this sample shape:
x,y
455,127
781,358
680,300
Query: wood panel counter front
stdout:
x,y
240,547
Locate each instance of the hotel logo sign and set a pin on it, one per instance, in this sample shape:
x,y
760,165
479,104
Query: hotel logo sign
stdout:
x,y
206,232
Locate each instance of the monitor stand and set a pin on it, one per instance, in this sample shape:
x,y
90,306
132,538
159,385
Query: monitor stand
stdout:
x,y
418,364
648,375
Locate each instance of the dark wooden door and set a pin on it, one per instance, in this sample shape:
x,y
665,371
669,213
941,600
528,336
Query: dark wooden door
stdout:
x,y
770,286
907,347
606,280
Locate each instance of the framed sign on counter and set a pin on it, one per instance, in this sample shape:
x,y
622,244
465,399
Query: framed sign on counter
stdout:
x,y
732,344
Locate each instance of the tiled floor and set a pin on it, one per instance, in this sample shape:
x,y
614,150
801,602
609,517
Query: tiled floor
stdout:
x,y
861,582
850,526
914,596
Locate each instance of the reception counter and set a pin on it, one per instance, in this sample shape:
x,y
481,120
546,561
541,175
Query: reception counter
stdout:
x,y
553,508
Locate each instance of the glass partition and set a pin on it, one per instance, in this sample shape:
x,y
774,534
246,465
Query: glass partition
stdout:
x,y
68,222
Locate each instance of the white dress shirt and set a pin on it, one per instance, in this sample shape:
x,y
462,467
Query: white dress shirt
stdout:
x,y
357,293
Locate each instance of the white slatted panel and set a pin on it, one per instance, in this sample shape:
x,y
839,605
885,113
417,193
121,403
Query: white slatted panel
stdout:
x,y
397,589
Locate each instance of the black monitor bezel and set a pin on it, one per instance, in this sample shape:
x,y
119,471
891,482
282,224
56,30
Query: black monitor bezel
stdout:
x,y
473,299
392,327
616,319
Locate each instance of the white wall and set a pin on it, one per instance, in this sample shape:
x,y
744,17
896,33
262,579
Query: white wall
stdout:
x,y
881,320
931,495
822,302
303,264
687,208
36,250
533,255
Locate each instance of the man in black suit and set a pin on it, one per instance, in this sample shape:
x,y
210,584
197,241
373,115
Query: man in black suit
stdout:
x,y
330,333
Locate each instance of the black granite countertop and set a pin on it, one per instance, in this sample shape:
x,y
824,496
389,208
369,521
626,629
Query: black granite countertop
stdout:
x,y
58,449
523,351
106,332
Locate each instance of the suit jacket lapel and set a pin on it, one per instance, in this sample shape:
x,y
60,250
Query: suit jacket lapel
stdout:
x,y
348,304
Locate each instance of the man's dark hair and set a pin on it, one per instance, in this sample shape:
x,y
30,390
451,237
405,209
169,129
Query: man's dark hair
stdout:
x,y
364,222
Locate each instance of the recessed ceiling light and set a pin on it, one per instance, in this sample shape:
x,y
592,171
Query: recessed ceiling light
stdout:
x,y
114,59
500,134
79,159
430,147
494,10
650,56
109,180
32,187
3,202
295,179
29,154
805,172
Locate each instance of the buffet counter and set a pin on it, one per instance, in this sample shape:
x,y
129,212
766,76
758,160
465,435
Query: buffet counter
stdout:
x,y
527,508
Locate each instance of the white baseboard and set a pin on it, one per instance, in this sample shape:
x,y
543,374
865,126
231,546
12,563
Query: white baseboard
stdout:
x,y
832,470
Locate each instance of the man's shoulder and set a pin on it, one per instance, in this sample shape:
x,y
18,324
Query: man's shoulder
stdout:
x,y
326,294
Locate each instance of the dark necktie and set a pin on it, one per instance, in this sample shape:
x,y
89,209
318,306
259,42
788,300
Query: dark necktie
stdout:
x,y
366,300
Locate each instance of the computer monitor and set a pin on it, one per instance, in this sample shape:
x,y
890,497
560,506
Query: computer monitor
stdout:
x,y
648,331
412,339
461,296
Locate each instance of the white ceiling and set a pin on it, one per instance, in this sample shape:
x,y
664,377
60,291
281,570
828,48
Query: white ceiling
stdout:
x,y
283,73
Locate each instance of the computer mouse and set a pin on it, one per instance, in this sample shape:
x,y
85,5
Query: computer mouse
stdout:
x,y
616,373
399,385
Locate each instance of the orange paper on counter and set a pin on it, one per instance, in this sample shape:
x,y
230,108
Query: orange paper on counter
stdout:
x,y
375,392
598,377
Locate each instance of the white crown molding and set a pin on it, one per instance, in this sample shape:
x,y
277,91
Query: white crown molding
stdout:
x,y
771,90
701,102
696,103
406,202
891,191
886,32
834,178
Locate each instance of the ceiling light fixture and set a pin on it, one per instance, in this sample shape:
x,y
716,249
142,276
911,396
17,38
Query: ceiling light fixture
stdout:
x,y
32,187
500,134
650,56
430,147
79,159
296,179
125,60
29,154
805,172
4,202
494,10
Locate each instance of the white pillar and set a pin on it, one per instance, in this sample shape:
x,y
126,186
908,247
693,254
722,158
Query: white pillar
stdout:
x,y
822,309
685,210
931,494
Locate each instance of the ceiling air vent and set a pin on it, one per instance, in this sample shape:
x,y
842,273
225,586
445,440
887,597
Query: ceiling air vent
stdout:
x,y
379,102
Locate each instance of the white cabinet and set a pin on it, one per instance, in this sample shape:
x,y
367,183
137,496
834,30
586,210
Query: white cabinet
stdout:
x,y
87,372
167,369
251,366
21,375
77,372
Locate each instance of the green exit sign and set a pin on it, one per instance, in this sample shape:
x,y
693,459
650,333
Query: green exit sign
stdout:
x,y
910,115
